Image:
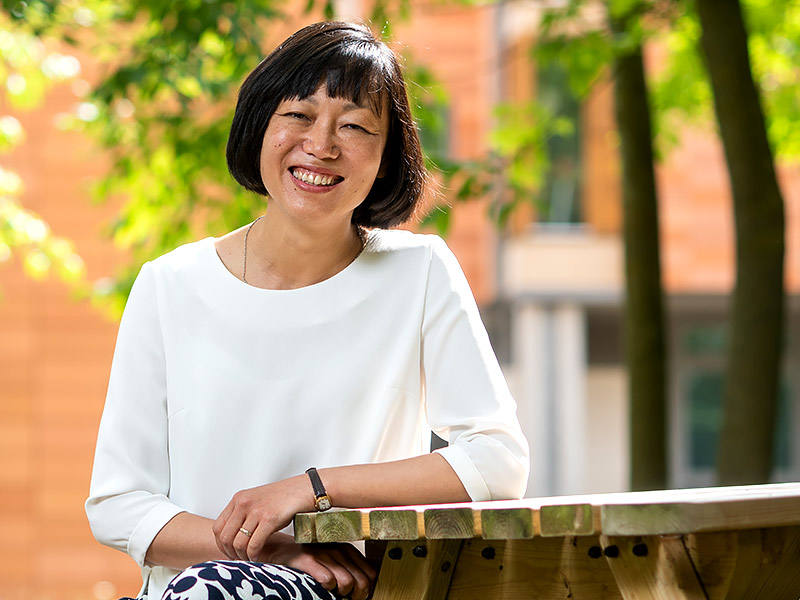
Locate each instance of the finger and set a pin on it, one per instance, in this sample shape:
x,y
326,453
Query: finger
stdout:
x,y
361,582
359,559
319,571
243,538
219,527
258,540
230,533
341,572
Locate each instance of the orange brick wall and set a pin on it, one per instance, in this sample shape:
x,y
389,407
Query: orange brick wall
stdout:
x,y
458,46
697,218
54,360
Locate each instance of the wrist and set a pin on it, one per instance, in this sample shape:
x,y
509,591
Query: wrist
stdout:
x,y
322,500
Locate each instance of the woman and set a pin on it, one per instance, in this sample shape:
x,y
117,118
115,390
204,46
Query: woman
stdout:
x,y
313,337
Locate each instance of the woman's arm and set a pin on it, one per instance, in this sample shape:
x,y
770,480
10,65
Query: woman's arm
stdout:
x,y
269,508
188,539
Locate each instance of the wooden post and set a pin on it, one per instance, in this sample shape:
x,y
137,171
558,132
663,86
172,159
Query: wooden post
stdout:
x,y
417,570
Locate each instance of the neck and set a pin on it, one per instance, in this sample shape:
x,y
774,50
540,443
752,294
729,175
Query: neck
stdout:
x,y
285,257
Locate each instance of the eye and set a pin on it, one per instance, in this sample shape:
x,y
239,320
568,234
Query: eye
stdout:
x,y
294,115
356,127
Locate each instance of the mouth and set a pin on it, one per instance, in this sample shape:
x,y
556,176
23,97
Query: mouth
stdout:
x,y
313,178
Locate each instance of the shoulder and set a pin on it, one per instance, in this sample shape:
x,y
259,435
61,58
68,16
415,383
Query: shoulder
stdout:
x,y
425,254
184,259
400,241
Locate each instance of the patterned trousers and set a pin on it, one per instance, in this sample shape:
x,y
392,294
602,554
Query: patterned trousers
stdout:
x,y
241,580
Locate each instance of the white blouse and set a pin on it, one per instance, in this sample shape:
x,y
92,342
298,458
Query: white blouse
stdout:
x,y
218,386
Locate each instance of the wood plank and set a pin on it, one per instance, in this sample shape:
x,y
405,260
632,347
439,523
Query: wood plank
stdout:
x,y
341,525
388,524
663,572
451,523
535,568
664,512
714,557
729,513
507,523
568,519
414,571
766,565
304,528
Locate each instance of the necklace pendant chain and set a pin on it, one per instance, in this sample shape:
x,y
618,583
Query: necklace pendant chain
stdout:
x,y
360,231
244,259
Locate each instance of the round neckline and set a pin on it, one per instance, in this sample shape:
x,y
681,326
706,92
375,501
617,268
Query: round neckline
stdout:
x,y
354,265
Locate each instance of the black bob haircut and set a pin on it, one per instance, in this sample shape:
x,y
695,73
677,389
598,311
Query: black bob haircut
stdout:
x,y
354,65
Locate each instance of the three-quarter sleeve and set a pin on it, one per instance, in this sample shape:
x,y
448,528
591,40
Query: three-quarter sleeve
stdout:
x,y
128,504
467,399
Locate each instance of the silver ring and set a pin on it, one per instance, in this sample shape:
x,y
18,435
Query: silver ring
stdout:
x,y
244,531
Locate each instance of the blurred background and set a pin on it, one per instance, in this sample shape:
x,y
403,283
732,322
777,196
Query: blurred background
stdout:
x,y
626,209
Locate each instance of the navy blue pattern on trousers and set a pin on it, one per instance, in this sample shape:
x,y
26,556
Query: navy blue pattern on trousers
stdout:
x,y
242,580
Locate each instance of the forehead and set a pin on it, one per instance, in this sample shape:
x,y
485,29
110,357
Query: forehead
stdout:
x,y
376,104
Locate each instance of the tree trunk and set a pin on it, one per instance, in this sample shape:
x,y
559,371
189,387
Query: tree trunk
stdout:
x,y
753,367
644,312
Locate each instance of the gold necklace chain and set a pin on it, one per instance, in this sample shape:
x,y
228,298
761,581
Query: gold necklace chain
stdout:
x,y
360,231
244,259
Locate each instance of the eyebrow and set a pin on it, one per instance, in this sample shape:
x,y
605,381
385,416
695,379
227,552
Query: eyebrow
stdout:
x,y
348,106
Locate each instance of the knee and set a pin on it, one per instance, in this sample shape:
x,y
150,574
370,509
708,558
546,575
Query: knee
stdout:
x,y
189,584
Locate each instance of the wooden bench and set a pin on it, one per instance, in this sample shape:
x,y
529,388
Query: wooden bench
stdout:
x,y
734,542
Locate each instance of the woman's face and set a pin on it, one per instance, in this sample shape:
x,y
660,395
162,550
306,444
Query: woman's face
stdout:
x,y
321,155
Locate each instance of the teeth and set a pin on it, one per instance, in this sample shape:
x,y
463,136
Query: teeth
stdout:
x,y
314,179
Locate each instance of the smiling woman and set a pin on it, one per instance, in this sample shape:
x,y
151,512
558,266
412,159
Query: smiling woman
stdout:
x,y
312,337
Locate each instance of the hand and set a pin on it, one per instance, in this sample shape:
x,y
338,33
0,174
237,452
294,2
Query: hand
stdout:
x,y
261,511
339,567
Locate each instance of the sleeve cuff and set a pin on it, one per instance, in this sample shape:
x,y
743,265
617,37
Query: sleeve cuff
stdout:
x,y
467,472
146,530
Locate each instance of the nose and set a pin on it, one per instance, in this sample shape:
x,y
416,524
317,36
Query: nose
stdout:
x,y
320,140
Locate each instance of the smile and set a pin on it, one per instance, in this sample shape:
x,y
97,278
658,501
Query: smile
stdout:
x,y
314,178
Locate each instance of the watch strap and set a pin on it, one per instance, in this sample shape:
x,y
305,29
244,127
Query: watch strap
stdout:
x,y
321,499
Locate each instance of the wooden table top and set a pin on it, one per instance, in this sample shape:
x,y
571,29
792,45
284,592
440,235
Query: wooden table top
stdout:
x,y
661,512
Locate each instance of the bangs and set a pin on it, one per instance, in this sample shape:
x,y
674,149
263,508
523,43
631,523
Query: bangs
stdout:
x,y
357,72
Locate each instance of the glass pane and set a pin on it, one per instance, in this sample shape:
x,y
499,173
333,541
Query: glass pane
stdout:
x,y
705,417
704,393
560,201
706,340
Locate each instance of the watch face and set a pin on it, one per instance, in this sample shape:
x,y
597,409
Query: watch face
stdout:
x,y
323,503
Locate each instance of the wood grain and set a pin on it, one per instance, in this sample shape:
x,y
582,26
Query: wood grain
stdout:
x,y
450,523
569,519
535,568
665,572
507,523
341,525
305,531
385,524
414,571
726,513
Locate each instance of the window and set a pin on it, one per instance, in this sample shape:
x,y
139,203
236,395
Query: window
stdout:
x,y
697,410
704,395
560,199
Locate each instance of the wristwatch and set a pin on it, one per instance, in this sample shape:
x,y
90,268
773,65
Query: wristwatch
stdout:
x,y
321,499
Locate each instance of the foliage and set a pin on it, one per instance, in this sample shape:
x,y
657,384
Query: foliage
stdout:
x,y
161,109
27,70
577,38
163,105
682,91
